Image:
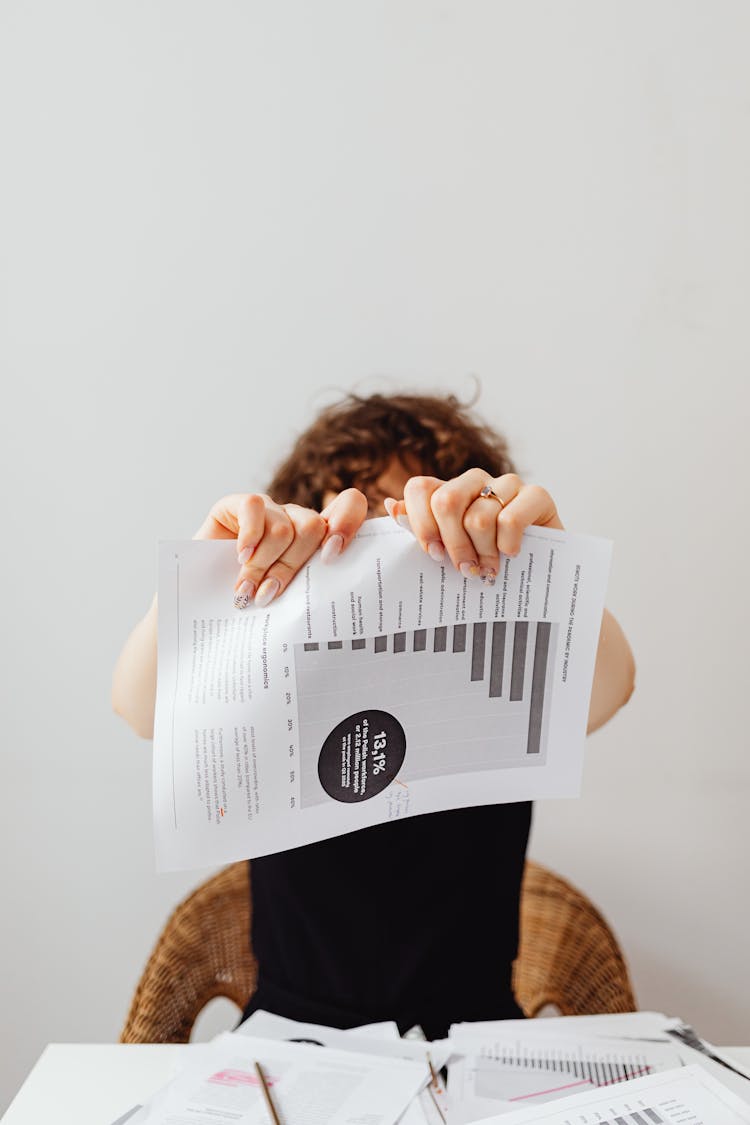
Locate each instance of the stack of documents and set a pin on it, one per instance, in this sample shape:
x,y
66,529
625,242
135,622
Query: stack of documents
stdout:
x,y
307,1085
687,1095
516,1063
503,1066
631,1069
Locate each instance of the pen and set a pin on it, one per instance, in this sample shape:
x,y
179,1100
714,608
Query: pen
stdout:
x,y
433,1072
436,1103
434,1087
267,1094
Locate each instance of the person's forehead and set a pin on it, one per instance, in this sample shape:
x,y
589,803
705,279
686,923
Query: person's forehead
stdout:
x,y
398,470
390,482
393,470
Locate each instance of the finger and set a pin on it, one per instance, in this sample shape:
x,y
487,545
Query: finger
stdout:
x,y
251,518
222,521
531,505
278,534
449,505
344,515
416,508
480,522
309,530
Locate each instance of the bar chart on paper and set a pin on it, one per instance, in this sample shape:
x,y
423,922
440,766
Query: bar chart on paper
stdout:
x,y
453,699
647,1117
644,1116
509,1069
677,1096
636,1110
602,1066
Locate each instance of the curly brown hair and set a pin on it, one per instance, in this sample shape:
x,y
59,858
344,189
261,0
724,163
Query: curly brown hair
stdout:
x,y
352,442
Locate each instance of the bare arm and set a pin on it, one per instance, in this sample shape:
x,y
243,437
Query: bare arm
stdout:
x,y
134,679
614,673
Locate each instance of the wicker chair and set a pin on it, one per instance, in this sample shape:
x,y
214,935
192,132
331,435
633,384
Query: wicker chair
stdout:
x,y
568,956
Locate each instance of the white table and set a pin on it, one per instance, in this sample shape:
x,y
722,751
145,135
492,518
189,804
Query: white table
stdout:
x,y
93,1084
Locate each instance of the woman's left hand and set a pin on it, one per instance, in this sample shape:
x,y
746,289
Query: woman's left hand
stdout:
x,y
452,517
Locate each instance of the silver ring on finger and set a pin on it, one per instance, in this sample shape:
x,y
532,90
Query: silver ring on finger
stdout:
x,y
489,493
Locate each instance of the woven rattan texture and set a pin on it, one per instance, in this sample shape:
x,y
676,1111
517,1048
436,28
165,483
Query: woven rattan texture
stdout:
x,y
203,952
568,956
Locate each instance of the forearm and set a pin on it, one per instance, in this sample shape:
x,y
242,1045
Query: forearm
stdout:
x,y
134,679
614,673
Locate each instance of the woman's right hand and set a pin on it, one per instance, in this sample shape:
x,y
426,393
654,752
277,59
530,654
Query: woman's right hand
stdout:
x,y
274,541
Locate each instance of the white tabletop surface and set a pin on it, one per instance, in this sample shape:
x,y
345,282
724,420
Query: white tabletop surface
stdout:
x,y
94,1084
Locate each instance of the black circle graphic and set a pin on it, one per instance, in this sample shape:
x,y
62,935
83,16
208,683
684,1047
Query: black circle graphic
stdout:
x,y
361,756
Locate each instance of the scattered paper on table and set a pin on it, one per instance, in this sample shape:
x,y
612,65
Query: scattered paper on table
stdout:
x,y
620,1025
382,1039
376,1039
498,1072
309,1085
689,1095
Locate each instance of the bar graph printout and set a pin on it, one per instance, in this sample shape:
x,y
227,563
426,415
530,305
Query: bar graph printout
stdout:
x,y
382,686
689,1096
525,1069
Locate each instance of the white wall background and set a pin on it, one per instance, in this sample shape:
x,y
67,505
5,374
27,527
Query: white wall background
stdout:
x,y
210,211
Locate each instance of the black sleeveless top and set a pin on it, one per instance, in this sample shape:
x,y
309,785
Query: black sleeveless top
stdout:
x,y
414,920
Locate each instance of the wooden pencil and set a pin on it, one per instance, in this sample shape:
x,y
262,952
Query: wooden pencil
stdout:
x,y
267,1094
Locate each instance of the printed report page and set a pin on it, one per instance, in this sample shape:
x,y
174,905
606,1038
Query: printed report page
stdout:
x,y
381,686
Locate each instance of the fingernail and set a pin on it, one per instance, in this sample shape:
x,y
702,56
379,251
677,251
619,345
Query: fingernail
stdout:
x,y
389,504
332,548
488,575
469,569
267,591
244,595
245,556
403,521
436,550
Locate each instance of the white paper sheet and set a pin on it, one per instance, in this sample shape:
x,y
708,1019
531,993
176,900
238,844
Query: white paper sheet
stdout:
x,y
384,685
381,1039
622,1025
369,1039
689,1096
267,1025
498,1072
730,1075
309,1085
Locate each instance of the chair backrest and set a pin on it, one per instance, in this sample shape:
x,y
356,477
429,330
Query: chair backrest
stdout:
x,y
202,952
568,956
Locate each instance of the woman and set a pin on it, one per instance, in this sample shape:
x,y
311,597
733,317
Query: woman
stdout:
x,y
414,920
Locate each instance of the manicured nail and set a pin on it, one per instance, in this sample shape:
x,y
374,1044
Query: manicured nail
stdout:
x,y
436,550
267,591
469,569
488,575
403,521
332,548
245,556
389,504
244,595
